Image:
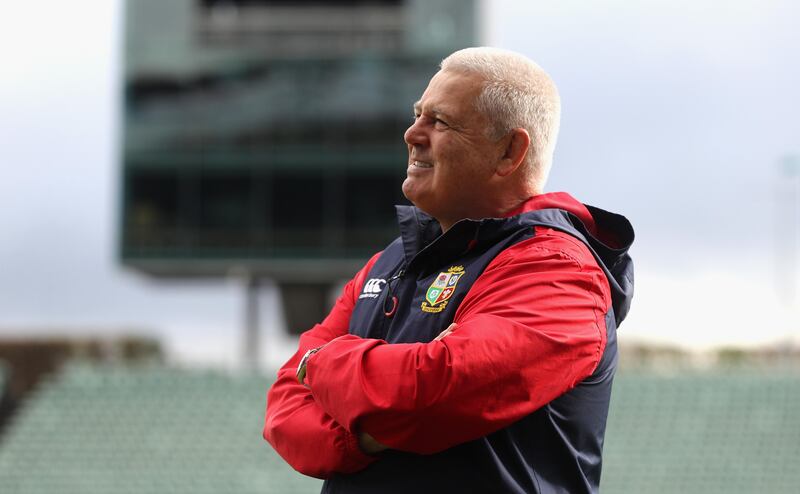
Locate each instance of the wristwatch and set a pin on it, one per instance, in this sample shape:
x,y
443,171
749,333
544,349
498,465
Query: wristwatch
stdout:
x,y
301,368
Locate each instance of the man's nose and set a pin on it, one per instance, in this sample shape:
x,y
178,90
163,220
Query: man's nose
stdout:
x,y
415,135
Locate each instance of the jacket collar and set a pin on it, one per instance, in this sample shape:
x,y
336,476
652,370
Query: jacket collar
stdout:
x,y
421,232
608,235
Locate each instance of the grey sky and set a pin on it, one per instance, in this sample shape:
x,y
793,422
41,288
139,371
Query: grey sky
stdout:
x,y
675,114
679,109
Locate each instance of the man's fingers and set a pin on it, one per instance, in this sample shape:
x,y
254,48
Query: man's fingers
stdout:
x,y
369,445
446,332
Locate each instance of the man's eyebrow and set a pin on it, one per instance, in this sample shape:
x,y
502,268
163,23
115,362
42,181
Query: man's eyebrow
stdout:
x,y
442,113
435,110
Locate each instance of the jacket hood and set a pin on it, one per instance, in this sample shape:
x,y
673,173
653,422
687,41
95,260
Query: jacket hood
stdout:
x,y
614,236
608,235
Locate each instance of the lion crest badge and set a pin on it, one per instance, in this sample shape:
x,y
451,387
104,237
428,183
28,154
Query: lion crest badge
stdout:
x,y
442,288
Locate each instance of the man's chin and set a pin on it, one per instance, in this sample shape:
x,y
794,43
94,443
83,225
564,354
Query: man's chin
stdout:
x,y
408,189
417,198
411,189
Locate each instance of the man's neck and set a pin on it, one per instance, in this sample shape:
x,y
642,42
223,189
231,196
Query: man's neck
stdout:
x,y
501,211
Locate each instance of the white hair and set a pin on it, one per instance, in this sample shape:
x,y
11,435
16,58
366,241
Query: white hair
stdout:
x,y
517,93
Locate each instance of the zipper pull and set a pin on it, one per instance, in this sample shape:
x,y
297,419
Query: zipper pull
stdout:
x,y
389,313
391,296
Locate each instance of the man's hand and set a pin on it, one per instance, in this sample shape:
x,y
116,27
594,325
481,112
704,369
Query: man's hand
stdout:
x,y
369,445
446,332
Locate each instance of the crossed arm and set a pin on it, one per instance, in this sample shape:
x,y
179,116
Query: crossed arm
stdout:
x,y
530,328
299,429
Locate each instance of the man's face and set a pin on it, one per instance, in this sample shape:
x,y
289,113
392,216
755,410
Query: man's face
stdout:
x,y
450,157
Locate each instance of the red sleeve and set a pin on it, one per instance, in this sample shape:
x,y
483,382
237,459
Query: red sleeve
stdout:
x,y
296,426
530,328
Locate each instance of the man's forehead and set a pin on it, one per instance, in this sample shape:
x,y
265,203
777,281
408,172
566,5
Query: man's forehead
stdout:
x,y
430,106
449,92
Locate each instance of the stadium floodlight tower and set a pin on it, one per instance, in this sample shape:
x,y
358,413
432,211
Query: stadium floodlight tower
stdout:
x,y
263,138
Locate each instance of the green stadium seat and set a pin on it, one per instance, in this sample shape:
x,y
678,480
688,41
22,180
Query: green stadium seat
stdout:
x,y
144,430
734,431
112,430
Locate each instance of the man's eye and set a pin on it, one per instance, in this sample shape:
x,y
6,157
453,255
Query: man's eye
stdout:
x,y
438,122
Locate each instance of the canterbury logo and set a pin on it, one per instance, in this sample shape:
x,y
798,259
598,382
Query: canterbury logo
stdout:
x,y
372,288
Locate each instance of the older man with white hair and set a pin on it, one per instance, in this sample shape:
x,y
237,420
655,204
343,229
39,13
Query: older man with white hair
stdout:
x,y
476,352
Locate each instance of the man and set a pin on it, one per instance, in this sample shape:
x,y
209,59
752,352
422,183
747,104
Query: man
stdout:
x,y
476,352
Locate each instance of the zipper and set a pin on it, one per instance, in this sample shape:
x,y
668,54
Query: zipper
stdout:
x,y
389,310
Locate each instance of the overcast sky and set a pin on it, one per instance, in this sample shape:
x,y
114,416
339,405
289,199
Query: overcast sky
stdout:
x,y
675,113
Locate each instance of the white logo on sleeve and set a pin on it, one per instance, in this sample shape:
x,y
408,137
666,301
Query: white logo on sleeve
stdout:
x,y
372,288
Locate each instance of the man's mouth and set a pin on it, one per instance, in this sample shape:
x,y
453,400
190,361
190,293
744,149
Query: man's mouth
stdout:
x,y
421,164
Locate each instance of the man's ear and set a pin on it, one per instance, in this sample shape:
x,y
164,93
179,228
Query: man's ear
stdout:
x,y
515,152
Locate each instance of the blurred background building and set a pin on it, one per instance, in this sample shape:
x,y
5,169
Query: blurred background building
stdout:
x,y
268,134
264,137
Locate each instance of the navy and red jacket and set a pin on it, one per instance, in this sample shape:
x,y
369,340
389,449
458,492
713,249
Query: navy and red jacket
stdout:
x,y
514,400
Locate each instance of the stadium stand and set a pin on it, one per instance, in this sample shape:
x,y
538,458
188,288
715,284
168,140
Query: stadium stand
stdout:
x,y
151,429
717,431
115,430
